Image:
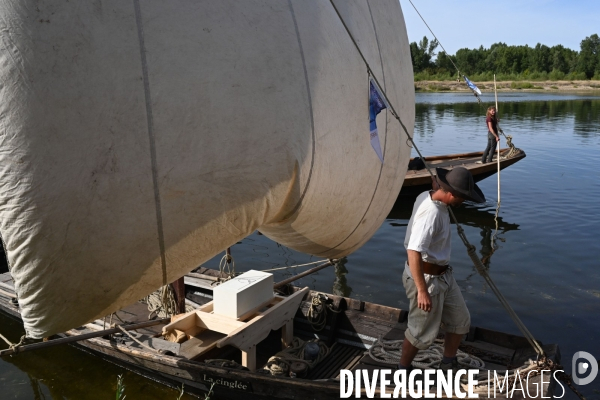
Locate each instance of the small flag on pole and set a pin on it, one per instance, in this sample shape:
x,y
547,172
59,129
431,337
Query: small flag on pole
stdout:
x,y
376,104
474,88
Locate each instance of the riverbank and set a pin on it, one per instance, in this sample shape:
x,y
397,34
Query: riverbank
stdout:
x,y
510,86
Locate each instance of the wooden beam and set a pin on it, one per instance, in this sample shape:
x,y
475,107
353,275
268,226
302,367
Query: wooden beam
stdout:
x,y
179,291
77,338
296,277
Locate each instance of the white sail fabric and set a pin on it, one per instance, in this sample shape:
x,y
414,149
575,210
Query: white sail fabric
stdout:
x,y
140,138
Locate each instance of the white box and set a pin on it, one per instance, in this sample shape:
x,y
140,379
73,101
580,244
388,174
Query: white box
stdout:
x,y
243,293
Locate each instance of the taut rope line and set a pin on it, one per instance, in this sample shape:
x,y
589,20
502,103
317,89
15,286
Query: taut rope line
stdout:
x,y
438,40
470,248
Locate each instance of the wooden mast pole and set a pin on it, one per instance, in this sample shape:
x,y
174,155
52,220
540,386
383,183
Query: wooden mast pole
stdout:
x,y
179,292
498,129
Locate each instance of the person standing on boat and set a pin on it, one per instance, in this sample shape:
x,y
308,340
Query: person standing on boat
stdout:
x,y
493,138
434,296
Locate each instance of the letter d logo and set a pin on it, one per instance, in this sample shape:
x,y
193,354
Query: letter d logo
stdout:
x,y
581,368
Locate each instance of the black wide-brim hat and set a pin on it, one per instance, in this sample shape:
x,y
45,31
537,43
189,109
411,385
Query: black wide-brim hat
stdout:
x,y
460,183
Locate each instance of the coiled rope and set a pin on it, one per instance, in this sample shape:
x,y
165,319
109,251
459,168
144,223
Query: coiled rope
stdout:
x,y
317,313
390,351
279,364
162,304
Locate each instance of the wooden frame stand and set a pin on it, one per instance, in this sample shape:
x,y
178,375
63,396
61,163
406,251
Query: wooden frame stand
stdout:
x,y
244,332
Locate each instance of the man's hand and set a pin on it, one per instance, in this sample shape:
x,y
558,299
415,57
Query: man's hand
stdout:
x,y
424,300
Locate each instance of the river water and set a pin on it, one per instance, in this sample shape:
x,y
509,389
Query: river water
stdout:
x,y
546,258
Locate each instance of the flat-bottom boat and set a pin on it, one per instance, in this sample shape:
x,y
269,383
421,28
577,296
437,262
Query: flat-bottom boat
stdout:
x,y
348,331
418,180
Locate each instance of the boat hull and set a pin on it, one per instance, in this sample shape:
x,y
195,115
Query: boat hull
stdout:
x,y
416,182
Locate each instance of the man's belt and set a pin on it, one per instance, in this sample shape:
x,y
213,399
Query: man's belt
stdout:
x,y
434,269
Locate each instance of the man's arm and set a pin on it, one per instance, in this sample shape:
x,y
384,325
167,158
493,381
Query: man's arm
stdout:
x,y
415,263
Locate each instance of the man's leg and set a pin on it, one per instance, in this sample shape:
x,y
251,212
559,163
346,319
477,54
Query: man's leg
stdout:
x,y
422,326
455,321
451,343
408,354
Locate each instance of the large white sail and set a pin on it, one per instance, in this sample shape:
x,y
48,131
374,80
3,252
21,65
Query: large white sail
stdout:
x,y
140,138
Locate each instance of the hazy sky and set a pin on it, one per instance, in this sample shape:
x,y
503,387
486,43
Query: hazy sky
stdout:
x,y
470,23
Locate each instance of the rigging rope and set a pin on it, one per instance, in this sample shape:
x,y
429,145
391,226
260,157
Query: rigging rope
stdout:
x,y
470,248
292,266
229,262
449,58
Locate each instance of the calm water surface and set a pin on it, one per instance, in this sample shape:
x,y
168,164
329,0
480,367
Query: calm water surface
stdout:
x,y
545,262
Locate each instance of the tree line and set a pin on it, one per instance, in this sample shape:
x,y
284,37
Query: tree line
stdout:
x,y
508,62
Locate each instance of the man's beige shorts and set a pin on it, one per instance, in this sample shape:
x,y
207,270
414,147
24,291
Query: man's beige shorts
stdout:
x,y
448,308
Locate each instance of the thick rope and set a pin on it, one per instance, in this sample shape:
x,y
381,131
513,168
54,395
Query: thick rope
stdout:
x,y
470,248
226,267
317,313
14,346
279,364
292,266
162,303
390,351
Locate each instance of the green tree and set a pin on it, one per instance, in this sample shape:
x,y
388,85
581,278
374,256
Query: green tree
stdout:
x,y
562,58
422,54
540,58
444,62
588,59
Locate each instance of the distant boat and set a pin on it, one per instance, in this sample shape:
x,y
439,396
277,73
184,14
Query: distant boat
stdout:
x,y
419,180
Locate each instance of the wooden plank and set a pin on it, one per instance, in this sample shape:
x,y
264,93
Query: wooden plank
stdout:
x,y
249,358
183,322
197,345
198,318
199,283
396,333
501,339
154,343
490,348
258,328
287,334
250,313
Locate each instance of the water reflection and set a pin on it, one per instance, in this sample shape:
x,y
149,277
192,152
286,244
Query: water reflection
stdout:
x,y
340,283
63,372
585,114
480,217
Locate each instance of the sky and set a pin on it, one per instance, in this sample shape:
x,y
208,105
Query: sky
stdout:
x,y
470,23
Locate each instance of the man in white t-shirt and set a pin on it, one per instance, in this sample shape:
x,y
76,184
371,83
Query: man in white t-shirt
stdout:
x,y
434,296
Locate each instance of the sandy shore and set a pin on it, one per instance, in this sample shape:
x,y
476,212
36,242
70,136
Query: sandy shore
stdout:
x,y
508,86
